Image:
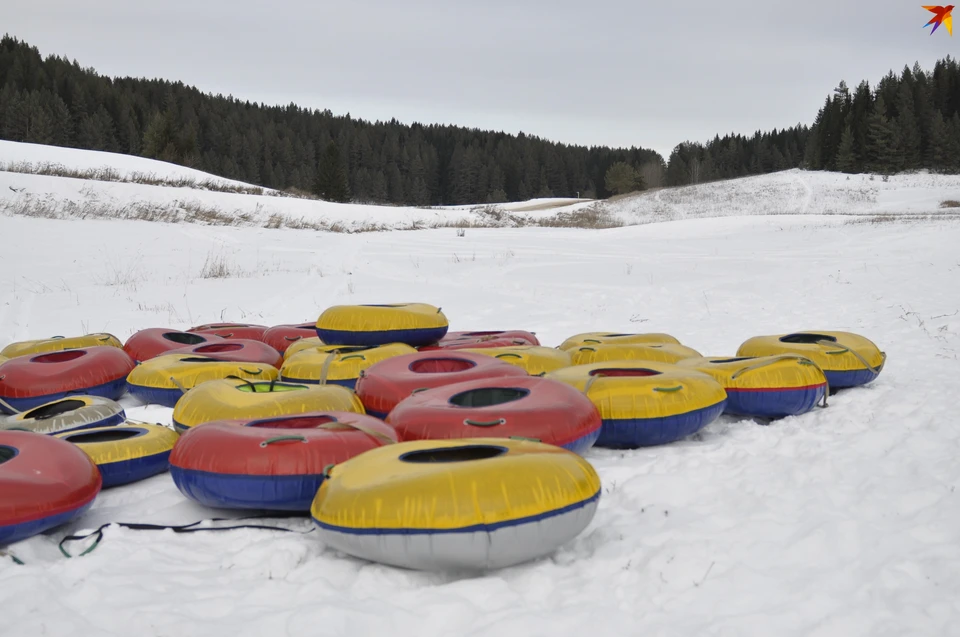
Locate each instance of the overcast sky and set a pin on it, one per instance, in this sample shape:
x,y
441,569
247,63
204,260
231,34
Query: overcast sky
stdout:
x,y
599,72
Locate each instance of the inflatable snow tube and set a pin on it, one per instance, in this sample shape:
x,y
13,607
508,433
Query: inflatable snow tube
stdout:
x,y
305,344
60,343
611,338
67,414
644,403
153,342
127,453
246,331
45,482
3,359
656,352
30,381
276,464
231,399
165,379
848,359
533,359
388,382
476,340
415,324
529,407
280,337
765,386
238,350
456,504
337,364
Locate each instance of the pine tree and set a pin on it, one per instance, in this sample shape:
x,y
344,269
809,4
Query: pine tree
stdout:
x,y
846,160
497,196
953,143
909,129
859,110
622,178
881,139
938,147
332,183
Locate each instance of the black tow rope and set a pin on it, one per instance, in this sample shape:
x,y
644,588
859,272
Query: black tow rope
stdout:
x,y
185,528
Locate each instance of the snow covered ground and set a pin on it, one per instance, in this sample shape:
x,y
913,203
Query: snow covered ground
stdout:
x,y
794,192
843,521
65,183
145,189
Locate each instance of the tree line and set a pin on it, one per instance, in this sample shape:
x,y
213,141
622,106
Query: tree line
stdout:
x,y
909,121
50,100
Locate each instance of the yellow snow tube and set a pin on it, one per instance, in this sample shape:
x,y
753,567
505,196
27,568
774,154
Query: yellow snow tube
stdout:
x,y
847,359
612,338
165,379
58,344
472,503
656,352
301,345
645,403
337,364
242,399
126,453
765,386
534,359
415,324
3,359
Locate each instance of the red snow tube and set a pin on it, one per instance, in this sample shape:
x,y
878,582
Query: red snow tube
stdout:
x,y
238,350
283,336
153,342
532,407
45,482
271,464
383,385
473,340
232,330
30,381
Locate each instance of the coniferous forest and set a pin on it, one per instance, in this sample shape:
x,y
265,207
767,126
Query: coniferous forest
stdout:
x,y
907,122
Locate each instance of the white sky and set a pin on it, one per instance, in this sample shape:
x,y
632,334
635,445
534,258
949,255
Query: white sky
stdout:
x,y
606,72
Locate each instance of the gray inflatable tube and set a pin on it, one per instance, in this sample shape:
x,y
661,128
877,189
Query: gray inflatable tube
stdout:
x,y
471,504
67,414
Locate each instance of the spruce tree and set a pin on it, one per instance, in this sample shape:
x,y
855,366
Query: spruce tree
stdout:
x,y
881,142
332,183
909,129
938,146
859,110
622,178
846,160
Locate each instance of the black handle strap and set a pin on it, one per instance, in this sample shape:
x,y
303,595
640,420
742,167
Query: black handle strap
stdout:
x,y
184,528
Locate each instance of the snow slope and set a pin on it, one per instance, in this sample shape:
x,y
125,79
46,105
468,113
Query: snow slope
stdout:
x,y
186,195
783,193
23,156
793,192
843,521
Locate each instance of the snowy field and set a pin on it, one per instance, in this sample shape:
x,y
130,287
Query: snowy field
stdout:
x,y
841,522
143,189
65,183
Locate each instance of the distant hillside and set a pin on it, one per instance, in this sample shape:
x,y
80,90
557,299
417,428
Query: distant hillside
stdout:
x,y
53,101
798,192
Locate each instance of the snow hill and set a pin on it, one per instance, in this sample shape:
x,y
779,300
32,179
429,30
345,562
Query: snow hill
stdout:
x,y
841,522
61,183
